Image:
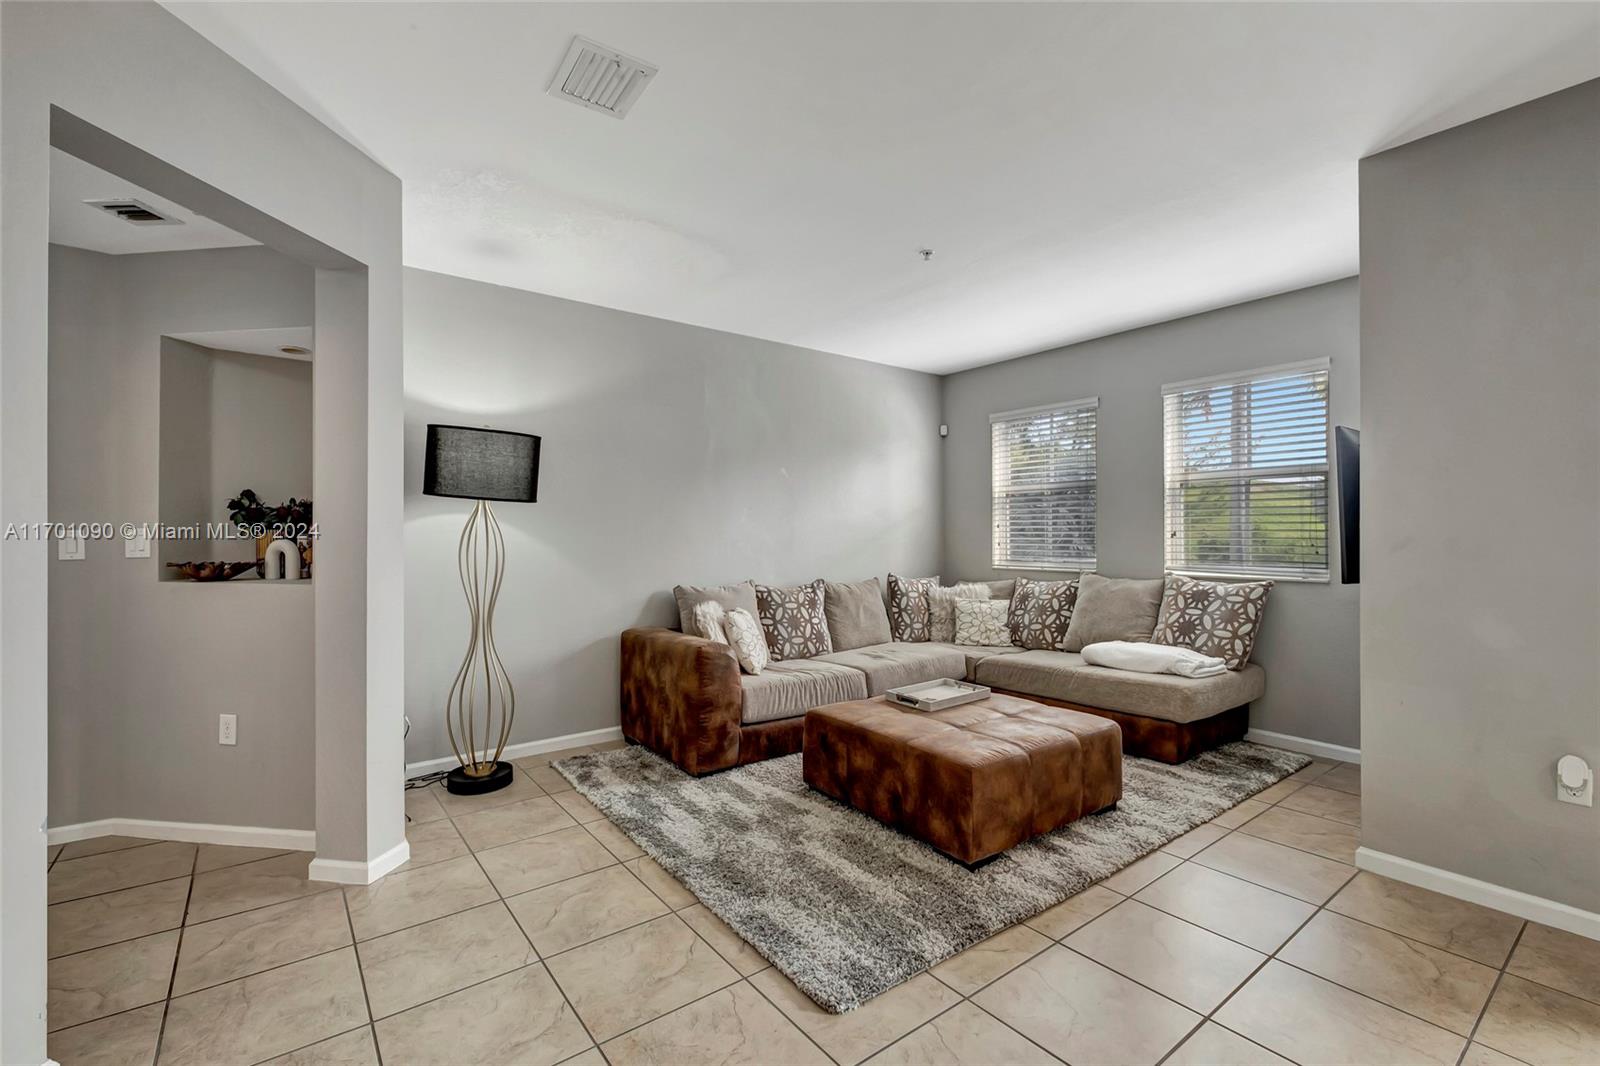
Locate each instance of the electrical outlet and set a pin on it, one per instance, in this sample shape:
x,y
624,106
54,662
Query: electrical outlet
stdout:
x,y
1574,781
228,729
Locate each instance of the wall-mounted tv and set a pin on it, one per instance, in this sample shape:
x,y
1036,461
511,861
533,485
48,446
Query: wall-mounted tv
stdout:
x,y
1347,460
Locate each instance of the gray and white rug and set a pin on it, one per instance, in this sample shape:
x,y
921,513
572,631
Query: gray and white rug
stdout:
x,y
849,908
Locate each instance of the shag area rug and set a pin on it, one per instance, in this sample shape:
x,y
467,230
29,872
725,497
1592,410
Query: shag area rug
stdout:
x,y
849,908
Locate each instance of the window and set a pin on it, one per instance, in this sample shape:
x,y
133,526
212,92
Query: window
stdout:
x,y
1044,487
1247,473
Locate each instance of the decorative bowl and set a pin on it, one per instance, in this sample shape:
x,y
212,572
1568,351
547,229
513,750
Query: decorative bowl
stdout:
x,y
211,571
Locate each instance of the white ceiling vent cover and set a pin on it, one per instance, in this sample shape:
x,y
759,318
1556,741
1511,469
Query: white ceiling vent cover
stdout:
x,y
134,211
600,78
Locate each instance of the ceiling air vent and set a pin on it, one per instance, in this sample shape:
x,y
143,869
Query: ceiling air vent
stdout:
x,y
600,78
134,212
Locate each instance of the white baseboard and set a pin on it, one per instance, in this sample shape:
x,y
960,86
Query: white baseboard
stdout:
x,y
1460,886
352,872
518,751
1319,748
249,836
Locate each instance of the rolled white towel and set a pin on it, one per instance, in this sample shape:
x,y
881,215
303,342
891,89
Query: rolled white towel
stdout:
x,y
1152,659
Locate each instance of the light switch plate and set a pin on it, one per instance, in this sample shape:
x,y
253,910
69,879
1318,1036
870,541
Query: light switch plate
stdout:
x,y
69,548
137,546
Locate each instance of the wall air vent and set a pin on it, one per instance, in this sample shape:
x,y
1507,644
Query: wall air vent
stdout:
x,y
600,78
134,212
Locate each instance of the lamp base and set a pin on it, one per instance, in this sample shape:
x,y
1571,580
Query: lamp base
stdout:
x,y
460,783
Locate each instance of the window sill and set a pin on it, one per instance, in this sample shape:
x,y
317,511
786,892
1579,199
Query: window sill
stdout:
x,y
1291,579
1052,568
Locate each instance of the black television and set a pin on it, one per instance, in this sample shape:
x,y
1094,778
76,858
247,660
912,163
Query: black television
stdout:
x,y
1347,462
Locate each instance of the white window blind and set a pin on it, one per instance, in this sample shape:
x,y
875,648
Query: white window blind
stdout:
x,y
1247,473
1044,486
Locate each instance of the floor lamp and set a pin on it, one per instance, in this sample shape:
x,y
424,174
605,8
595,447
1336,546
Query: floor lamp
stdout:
x,y
481,465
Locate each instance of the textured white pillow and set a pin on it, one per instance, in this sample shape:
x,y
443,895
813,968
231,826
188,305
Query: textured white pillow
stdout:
x,y
942,607
748,641
982,623
709,618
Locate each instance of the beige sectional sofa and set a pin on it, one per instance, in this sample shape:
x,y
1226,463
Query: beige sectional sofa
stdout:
x,y
686,698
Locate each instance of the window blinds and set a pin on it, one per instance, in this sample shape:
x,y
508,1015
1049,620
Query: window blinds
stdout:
x,y
1246,459
1044,486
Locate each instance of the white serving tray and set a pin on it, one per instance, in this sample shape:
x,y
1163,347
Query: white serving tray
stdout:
x,y
936,695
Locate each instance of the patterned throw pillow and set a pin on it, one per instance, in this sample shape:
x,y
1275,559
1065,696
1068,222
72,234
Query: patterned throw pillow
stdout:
x,y
794,621
1041,612
982,623
909,607
749,643
1212,617
708,618
942,607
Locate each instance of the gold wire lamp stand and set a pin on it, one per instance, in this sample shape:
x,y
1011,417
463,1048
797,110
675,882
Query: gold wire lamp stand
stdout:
x,y
481,465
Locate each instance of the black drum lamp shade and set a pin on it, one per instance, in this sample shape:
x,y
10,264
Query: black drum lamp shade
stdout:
x,y
472,463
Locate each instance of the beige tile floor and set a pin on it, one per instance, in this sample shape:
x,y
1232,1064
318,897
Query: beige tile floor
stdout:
x,y
528,929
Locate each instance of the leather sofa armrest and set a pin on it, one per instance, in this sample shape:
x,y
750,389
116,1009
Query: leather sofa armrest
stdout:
x,y
682,697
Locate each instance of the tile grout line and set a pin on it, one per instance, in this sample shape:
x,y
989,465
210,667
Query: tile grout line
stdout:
x,y
193,872
537,955
1484,1010
177,954
361,973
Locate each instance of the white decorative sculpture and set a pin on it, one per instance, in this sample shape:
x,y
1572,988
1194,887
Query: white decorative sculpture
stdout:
x,y
282,561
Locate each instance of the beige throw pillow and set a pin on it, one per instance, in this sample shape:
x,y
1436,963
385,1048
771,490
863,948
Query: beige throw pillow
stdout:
x,y
794,621
982,623
856,614
1113,608
749,643
729,596
1213,617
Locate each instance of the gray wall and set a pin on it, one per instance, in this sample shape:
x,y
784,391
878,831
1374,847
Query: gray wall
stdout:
x,y
1308,644
1480,624
671,454
141,667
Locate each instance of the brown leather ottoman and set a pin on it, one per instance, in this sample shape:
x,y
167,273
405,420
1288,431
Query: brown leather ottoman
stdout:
x,y
973,780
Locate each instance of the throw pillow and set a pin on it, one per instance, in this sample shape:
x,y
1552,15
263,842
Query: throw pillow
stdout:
x,y
749,643
908,606
855,612
1113,608
942,607
730,596
1040,613
1212,617
708,619
794,621
982,623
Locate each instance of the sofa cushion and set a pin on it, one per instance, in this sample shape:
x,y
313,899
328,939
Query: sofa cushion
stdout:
x,y
888,666
729,596
1113,608
794,686
856,613
942,608
1062,675
976,655
981,623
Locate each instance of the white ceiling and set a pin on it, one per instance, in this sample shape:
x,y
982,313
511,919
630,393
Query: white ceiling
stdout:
x,y
1079,169
269,342
75,223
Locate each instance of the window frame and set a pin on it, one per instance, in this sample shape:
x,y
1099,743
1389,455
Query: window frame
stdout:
x,y
997,418
1236,432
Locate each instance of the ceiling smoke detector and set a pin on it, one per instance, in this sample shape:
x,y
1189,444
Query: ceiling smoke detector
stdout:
x,y
134,212
600,78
